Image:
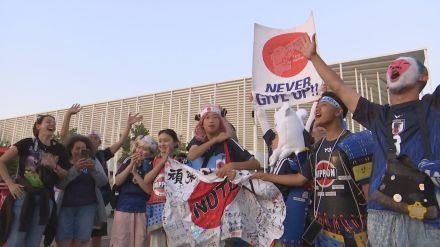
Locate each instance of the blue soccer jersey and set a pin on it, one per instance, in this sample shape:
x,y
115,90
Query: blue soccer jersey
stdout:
x,y
405,128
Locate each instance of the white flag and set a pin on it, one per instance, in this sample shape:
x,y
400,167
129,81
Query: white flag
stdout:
x,y
280,73
202,209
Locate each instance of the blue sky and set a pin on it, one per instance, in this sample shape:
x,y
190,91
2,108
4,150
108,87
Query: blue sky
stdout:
x,y
55,53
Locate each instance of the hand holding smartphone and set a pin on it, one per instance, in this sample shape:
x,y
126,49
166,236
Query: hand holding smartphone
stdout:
x,y
84,154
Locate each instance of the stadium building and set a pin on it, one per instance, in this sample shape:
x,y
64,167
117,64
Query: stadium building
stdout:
x,y
176,108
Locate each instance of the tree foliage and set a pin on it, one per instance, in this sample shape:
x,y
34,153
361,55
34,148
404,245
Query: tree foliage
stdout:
x,y
72,132
135,131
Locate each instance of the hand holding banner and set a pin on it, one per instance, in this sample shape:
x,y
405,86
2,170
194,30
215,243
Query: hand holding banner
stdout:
x,y
202,209
280,73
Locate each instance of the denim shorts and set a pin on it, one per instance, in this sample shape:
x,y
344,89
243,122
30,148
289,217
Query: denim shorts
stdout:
x,y
76,223
35,232
389,229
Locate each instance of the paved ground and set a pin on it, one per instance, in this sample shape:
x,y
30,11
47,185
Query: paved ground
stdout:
x,y
106,240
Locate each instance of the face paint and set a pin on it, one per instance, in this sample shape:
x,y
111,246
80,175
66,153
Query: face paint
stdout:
x,y
402,73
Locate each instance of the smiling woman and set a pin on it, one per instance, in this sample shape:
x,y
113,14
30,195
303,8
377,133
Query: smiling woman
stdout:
x,y
42,163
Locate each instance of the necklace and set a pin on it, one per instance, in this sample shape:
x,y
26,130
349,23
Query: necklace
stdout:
x,y
328,161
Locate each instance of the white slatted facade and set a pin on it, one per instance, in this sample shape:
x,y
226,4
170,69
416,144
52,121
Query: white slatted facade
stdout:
x,y
176,109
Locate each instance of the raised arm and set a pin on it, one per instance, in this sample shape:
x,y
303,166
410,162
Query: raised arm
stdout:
x,y
74,109
262,119
132,119
307,48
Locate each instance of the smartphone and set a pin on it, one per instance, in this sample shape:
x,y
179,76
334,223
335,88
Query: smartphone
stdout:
x,y
312,232
84,154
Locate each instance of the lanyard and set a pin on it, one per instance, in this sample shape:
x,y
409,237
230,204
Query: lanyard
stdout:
x,y
316,208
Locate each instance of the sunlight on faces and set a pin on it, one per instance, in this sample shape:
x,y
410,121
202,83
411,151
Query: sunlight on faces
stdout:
x,y
166,141
325,113
402,73
143,151
47,126
211,123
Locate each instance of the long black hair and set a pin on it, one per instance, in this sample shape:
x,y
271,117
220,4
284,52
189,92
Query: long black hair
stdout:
x,y
171,133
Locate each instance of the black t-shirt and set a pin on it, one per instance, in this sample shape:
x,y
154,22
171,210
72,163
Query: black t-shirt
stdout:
x,y
30,152
215,156
103,156
337,193
268,138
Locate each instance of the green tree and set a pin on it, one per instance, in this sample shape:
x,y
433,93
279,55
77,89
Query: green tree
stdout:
x,y
72,132
135,131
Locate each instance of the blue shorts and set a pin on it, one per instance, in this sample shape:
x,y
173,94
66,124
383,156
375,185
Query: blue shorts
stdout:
x,y
386,228
297,203
34,234
76,223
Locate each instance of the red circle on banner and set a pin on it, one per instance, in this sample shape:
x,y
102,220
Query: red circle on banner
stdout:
x,y
280,57
325,173
209,200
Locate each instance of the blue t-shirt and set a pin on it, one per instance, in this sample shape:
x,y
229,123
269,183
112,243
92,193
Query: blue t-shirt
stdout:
x,y
216,157
406,130
80,191
131,197
289,165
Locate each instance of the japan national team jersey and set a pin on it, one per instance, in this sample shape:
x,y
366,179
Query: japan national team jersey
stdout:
x,y
215,156
405,128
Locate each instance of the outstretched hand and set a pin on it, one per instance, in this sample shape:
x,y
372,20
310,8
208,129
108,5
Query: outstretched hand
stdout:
x,y
305,46
134,118
74,109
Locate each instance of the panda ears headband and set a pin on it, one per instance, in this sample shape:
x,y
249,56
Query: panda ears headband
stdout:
x,y
215,109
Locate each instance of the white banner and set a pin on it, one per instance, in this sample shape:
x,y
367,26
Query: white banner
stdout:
x,y
279,73
202,209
